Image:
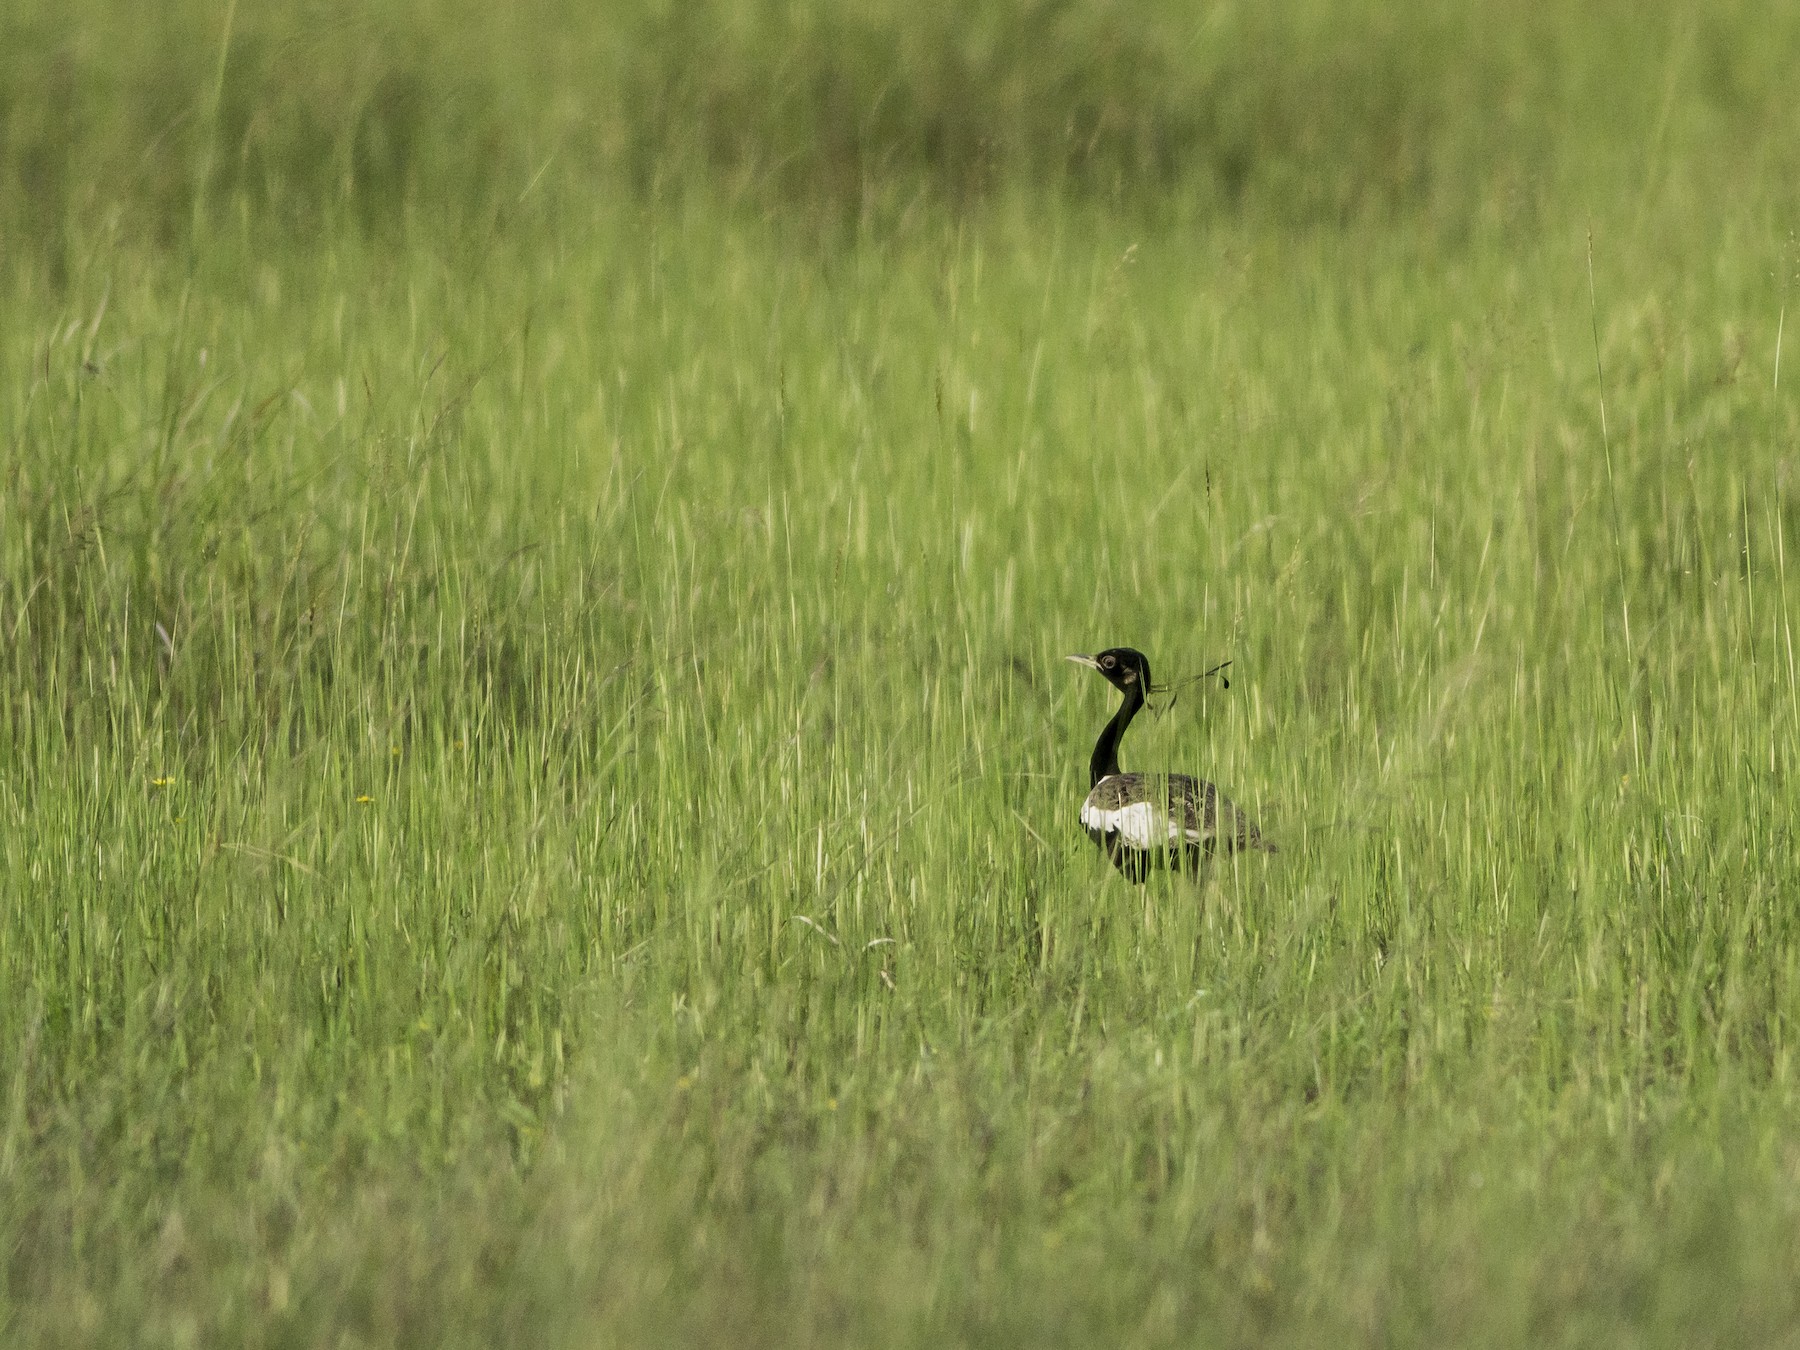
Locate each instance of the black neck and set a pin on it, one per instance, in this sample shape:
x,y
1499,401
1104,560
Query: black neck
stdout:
x,y
1105,762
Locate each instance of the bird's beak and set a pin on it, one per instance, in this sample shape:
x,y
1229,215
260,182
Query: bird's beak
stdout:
x,y
1084,661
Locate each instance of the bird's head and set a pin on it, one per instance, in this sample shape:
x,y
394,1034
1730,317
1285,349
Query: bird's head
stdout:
x,y
1125,667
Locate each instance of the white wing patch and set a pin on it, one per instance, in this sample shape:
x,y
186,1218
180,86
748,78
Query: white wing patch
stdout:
x,y
1136,825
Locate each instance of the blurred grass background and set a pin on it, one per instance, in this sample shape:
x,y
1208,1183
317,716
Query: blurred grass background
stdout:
x,y
537,774
1303,112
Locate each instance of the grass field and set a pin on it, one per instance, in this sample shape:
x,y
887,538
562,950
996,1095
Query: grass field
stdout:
x,y
537,778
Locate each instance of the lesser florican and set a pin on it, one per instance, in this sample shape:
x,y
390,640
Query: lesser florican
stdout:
x,y
1140,820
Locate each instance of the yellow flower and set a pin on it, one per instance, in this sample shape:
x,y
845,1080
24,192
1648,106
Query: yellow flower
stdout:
x,y
166,781
363,799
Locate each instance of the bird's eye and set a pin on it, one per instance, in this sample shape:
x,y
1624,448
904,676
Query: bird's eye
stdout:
x,y
1108,662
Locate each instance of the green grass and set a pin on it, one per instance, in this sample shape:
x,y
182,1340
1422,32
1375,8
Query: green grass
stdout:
x,y
537,773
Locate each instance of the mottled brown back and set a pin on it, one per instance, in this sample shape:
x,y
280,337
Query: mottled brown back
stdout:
x,y
1201,807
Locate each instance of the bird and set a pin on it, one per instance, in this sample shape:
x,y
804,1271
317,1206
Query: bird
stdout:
x,y
1144,821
